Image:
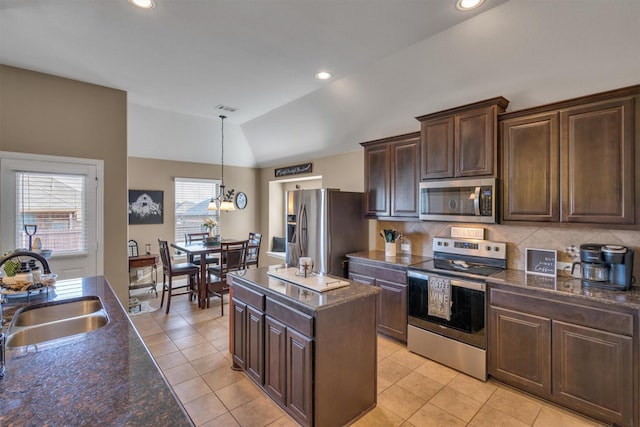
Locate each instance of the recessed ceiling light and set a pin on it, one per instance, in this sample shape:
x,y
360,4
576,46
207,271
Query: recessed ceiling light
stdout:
x,y
323,75
468,4
143,4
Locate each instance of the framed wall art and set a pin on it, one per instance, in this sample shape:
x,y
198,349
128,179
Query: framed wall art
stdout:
x,y
146,207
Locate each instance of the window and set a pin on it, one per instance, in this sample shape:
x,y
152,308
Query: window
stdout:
x,y
51,206
192,201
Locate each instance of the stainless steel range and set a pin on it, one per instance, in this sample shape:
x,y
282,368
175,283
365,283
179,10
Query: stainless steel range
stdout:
x,y
447,304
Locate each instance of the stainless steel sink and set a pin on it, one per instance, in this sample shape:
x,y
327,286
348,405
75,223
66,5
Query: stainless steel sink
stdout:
x,y
37,314
49,321
54,330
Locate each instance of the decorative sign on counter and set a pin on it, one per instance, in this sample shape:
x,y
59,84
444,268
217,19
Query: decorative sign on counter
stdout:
x,y
293,170
541,261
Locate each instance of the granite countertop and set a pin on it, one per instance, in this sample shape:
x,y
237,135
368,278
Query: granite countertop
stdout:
x,y
104,377
567,286
402,260
301,298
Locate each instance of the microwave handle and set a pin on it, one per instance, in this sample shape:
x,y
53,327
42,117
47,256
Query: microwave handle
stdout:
x,y
476,201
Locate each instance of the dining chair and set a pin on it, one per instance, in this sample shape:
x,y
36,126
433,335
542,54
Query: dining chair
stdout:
x,y
253,249
234,254
199,237
171,270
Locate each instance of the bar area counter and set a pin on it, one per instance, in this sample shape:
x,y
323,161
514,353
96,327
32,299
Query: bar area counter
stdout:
x,y
102,377
314,353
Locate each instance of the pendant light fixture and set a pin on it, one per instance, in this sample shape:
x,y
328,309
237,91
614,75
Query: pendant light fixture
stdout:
x,y
224,198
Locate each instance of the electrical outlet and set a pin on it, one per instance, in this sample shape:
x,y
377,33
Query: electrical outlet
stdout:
x,y
564,267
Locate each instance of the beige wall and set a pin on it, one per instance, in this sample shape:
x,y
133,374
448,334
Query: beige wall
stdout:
x,y
45,114
151,174
344,171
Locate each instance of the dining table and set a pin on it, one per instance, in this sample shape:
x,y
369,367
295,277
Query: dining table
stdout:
x,y
200,249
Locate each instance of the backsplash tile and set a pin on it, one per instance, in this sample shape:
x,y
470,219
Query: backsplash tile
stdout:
x,y
518,238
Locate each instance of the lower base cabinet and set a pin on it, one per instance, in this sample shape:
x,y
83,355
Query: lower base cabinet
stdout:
x,y
321,369
579,356
392,302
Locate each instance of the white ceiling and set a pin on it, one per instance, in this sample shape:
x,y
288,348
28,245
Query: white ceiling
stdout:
x,y
188,56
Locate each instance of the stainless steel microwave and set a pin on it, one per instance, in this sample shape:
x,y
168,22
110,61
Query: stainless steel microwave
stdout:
x,y
459,200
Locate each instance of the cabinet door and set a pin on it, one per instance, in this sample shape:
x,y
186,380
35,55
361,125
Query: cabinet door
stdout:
x,y
255,346
275,362
436,148
475,141
597,162
392,309
377,180
530,153
239,340
405,177
593,372
520,350
299,376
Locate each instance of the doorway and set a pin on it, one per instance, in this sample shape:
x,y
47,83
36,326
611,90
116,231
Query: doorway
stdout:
x,y
55,203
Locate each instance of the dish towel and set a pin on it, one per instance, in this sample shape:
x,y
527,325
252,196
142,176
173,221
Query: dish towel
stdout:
x,y
440,297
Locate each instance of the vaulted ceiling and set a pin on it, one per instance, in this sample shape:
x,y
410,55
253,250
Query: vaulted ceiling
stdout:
x,y
189,56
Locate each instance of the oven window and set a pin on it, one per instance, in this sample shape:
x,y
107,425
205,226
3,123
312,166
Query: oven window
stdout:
x,y
467,308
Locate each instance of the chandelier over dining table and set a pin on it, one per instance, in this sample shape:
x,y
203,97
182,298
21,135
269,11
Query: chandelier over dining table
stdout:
x,y
224,200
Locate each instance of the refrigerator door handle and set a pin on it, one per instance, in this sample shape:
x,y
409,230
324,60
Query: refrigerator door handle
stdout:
x,y
302,230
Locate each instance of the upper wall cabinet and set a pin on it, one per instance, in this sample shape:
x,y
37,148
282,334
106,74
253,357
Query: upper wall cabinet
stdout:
x,y
391,169
572,161
461,142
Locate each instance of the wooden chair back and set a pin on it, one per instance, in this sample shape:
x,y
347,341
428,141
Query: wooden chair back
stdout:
x,y
253,248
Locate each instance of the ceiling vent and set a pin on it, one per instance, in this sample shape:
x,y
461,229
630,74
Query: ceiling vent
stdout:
x,y
226,108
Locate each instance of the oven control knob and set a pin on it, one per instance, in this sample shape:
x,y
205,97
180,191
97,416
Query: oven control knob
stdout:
x,y
446,243
488,248
439,243
497,249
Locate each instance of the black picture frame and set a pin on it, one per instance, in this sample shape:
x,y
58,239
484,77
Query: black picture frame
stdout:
x,y
146,207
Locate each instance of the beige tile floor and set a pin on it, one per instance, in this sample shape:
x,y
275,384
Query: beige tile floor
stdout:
x,y
191,348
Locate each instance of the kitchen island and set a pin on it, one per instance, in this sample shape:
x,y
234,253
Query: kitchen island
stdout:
x,y
314,353
103,377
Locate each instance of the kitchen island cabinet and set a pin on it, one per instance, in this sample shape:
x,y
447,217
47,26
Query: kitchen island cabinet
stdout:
x,y
314,353
392,175
103,377
575,346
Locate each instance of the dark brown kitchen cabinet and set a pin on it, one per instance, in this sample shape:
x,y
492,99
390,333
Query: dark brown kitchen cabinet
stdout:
x,y
255,344
392,175
597,162
239,337
520,349
462,141
392,301
530,156
574,353
288,373
572,161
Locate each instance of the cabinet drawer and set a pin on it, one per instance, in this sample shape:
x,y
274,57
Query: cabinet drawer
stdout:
x,y
292,318
617,321
253,298
397,275
139,263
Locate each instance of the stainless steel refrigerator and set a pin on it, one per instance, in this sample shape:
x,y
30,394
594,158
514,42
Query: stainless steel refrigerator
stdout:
x,y
325,225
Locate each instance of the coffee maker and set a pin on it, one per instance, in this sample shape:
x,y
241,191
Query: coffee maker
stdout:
x,y
606,266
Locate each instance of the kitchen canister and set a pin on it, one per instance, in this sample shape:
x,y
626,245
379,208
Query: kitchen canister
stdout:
x,y
390,249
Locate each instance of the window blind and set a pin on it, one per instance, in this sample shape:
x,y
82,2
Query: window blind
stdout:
x,y
192,202
55,203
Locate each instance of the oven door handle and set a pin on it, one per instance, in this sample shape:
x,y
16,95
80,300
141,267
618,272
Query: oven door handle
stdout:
x,y
476,286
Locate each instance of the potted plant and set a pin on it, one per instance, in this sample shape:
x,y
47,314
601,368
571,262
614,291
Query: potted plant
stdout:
x,y
210,224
